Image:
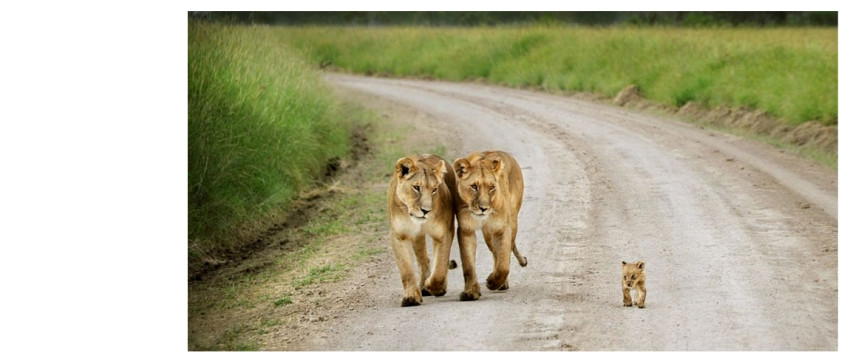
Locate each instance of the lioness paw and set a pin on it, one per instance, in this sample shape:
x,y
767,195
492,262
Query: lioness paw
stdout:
x,y
410,301
433,291
469,296
495,283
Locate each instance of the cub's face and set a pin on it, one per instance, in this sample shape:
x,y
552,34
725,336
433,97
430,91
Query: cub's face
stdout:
x,y
478,184
632,273
419,186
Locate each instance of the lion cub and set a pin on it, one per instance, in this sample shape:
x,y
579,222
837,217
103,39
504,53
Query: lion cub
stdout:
x,y
633,277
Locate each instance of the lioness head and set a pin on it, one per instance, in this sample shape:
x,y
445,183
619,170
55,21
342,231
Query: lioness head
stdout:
x,y
632,273
418,185
478,183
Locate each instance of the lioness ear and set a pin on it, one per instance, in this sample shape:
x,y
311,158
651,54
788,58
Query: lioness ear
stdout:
x,y
497,165
461,166
640,265
624,263
404,167
440,170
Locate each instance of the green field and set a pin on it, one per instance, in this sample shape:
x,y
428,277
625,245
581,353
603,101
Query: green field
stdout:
x,y
262,127
792,73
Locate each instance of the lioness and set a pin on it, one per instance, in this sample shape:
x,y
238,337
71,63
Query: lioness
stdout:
x,y
633,277
490,187
420,201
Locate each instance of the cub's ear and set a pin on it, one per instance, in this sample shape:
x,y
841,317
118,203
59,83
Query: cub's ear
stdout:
x,y
405,167
640,265
461,166
624,263
440,170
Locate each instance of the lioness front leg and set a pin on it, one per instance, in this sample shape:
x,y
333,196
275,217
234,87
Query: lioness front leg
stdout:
x,y
412,294
497,279
436,284
488,240
467,243
420,250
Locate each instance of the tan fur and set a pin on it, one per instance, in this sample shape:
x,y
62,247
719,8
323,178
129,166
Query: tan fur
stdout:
x,y
634,277
413,214
490,187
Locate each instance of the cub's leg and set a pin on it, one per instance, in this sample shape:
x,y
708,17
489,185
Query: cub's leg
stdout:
x,y
502,267
436,284
627,297
420,249
402,250
467,242
641,294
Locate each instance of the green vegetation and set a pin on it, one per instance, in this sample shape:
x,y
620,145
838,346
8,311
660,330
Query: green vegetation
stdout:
x,y
262,128
326,273
283,301
480,18
792,73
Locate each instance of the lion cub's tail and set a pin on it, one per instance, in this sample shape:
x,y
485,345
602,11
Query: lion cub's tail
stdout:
x,y
452,264
520,258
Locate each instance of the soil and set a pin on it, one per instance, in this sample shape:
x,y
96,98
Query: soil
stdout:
x,y
739,238
811,134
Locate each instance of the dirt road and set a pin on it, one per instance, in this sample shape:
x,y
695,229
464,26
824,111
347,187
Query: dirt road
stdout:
x,y
739,239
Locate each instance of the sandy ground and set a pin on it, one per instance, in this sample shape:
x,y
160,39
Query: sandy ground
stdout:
x,y
739,238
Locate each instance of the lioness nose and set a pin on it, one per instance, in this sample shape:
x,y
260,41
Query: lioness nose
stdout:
x,y
483,209
425,211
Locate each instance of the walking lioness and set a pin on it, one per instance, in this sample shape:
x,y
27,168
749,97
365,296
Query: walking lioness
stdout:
x,y
420,202
490,187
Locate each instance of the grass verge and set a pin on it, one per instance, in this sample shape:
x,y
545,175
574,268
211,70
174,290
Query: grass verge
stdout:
x,y
312,268
262,128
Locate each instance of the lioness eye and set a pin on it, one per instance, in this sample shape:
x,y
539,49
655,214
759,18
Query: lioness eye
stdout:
x,y
475,187
434,191
492,188
416,188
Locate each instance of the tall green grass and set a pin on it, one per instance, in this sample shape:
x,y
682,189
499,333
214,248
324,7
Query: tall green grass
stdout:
x,y
792,73
262,127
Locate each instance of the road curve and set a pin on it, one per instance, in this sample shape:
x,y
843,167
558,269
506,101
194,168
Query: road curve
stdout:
x,y
739,238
